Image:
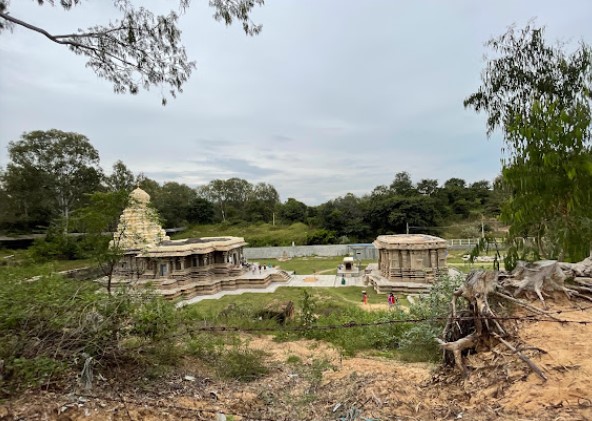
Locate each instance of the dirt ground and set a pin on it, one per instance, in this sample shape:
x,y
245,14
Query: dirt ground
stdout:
x,y
311,381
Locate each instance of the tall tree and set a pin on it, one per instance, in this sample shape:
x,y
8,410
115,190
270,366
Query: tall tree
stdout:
x,y
402,185
539,96
427,186
101,215
345,216
51,171
230,196
216,191
173,202
263,203
140,49
201,211
293,211
121,178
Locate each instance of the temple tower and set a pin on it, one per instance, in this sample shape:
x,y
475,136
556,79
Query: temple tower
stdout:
x,y
138,227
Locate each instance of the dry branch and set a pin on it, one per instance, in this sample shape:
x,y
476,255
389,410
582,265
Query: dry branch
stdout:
x,y
526,305
523,357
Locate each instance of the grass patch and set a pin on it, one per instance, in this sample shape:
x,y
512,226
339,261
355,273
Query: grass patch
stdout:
x,y
257,235
309,265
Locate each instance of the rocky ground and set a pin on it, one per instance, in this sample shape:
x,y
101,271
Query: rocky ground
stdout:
x,y
312,381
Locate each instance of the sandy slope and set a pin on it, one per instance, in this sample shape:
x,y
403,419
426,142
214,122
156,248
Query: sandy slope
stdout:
x,y
311,381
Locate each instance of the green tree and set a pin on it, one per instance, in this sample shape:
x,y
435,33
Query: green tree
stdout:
x,y
293,211
150,186
173,203
427,186
345,217
539,96
402,185
200,211
230,197
121,178
389,213
263,203
51,172
455,194
101,216
140,49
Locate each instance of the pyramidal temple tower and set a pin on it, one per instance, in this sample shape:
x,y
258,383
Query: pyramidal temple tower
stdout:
x,y
138,227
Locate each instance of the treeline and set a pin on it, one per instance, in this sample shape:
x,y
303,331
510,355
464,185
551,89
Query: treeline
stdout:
x,y
51,175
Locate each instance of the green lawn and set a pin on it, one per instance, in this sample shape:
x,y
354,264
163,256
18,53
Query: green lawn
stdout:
x,y
331,297
309,265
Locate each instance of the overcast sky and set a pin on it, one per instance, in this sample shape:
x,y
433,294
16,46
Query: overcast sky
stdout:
x,y
334,96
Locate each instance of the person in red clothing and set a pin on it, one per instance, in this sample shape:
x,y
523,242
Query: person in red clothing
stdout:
x,y
364,297
391,300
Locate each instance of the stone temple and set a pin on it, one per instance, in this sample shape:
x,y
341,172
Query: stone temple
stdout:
x,y
180,269
408,263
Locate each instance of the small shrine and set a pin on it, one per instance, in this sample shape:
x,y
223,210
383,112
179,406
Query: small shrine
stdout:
x,y
180,268
408,262
348,268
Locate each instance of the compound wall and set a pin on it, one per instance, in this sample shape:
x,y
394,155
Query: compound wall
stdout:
x,y
358,251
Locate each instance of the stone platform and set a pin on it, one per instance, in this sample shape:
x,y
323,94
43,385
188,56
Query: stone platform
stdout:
x,y
186,289
383,285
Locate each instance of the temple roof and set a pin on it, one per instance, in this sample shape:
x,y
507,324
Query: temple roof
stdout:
x,y
189,246
140,196
409,242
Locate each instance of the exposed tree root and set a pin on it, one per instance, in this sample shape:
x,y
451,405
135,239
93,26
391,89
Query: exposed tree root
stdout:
x,y
478,327
525,305
457,347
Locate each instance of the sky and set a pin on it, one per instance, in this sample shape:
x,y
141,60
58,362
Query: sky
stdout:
x,y
332,97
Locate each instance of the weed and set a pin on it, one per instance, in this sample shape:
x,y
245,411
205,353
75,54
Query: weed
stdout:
x,y
307,317
241,363
293,359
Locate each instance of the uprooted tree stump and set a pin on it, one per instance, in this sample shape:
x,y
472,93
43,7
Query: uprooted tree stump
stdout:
x,y
277,310
478,327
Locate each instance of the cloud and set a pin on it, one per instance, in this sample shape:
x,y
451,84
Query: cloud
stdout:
x,y
320,104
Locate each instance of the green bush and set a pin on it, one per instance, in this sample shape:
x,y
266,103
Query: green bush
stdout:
x,y
154,318
35,371
241,363
48,327
57,244
418,342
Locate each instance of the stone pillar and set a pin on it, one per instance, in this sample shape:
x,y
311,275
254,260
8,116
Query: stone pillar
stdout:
x,y
434,259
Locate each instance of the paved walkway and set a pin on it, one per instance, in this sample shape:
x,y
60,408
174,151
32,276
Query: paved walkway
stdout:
x,y
323,281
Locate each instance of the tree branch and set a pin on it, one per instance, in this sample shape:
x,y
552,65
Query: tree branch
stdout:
x,y
57,38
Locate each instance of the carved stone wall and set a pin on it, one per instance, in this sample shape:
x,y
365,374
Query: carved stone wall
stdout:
x,y
411,257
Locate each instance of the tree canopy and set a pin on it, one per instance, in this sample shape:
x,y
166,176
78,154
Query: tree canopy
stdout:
x,y
539,96
53,174
140,49
49,173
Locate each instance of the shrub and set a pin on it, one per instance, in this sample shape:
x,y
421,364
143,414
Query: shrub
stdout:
x,y
241,363
418,343
50,326
154,318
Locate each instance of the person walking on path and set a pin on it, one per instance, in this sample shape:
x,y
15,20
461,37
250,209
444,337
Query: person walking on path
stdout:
x,y
364,297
